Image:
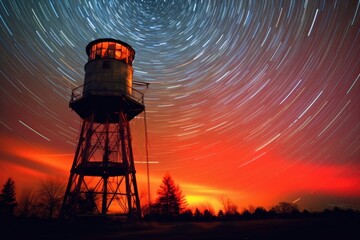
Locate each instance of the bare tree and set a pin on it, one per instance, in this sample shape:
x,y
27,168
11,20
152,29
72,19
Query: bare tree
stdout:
x,y
230,208
50,197
27,203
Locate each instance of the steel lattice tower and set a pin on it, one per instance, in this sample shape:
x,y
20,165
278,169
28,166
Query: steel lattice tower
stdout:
x,y
102,176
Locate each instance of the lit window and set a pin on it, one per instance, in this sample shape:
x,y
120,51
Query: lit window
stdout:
x,y
111,53
104,50
118,54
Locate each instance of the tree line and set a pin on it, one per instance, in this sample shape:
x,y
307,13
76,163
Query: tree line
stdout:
x,y
170,205
45,202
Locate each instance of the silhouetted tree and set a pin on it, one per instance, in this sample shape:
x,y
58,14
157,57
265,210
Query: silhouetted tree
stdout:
x,y
27,204
186,215
306,213
260,213
230,208
50,198
220,214
197,214
246,214
170,201
88,203
285,209
8,200
208,215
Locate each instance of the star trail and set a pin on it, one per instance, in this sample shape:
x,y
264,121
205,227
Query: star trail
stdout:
x,y
256,101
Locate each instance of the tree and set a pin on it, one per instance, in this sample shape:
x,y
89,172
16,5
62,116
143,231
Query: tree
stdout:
x,y
88,202
260,213
229,207
170,201
50,197
8,199
27,206
208,215
186,215
285,209
197,214
220,214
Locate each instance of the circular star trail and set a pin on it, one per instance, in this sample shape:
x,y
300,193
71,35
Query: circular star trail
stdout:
x,y
256,100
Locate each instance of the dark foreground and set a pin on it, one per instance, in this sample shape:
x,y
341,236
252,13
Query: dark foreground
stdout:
x,y
309,228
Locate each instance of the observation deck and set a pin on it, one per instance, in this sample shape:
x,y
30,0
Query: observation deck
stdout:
x,y
106,104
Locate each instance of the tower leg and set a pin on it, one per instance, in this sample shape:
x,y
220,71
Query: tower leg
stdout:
x,y
65,208
136,200
102,177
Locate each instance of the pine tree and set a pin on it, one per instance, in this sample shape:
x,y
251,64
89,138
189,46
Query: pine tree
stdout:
x,y
8,199
170,201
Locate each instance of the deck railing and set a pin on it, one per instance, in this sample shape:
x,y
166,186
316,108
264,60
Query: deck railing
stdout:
x,y
106,88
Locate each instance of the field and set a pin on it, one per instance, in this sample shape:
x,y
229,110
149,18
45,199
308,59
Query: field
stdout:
x,y
313,228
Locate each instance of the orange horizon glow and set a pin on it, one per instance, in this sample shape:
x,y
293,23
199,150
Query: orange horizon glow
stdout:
x,y
268,187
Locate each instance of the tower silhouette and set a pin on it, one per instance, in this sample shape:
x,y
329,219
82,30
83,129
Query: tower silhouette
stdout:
x,y
102,177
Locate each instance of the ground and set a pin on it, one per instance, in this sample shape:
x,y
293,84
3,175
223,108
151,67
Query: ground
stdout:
x,y
313,228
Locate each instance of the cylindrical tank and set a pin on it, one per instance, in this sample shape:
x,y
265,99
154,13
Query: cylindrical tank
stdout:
x,y
108,71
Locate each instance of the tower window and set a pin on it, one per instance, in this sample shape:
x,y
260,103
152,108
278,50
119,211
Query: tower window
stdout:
x,y
111,50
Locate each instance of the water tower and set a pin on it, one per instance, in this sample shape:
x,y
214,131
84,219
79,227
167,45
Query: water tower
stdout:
x,y
102,177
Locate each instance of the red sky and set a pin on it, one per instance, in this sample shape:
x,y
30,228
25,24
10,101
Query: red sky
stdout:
x,y
264,180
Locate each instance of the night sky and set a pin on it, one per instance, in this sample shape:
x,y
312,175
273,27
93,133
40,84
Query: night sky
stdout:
x,y
252,101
